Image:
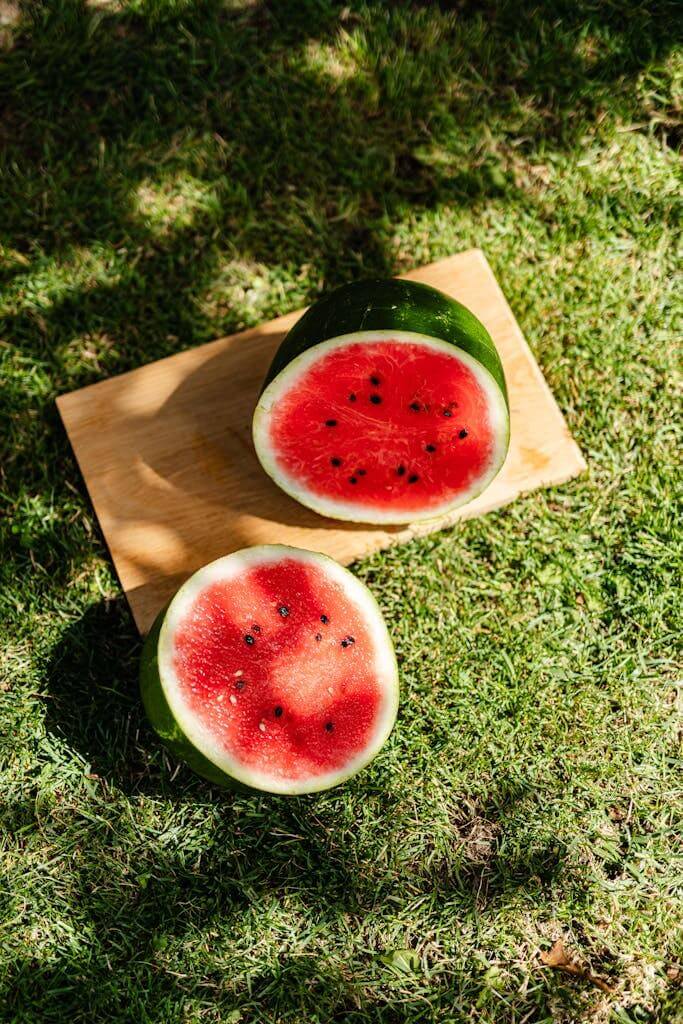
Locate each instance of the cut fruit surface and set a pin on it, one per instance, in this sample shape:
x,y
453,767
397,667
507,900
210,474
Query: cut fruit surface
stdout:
x,y
272,667
384,425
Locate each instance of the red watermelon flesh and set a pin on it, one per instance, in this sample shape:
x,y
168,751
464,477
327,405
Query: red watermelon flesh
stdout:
x,y
279,669
386,429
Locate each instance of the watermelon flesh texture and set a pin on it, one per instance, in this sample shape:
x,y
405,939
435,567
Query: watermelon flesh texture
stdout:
x,y
277,668
383,427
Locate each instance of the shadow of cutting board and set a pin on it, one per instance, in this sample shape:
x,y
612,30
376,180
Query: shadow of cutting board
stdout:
x,y
168,461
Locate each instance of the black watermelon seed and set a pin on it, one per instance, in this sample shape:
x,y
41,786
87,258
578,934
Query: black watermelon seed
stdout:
x,y
360,472
430,448
278,711
345,643
351,639
400,470
352,397
249,639
335,461
462,434
413,478
447,412
240,684
374,381
256,629
375,399
318,637
352,480
415,406
329,726
324,619
333,423
283,610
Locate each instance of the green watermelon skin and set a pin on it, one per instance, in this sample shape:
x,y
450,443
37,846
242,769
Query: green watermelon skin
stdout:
x,y
390,304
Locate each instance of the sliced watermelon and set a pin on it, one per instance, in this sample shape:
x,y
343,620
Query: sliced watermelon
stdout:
x,y
272,668
385,403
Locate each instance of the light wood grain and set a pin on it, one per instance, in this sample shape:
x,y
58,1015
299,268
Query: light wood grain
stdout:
x,y
168,461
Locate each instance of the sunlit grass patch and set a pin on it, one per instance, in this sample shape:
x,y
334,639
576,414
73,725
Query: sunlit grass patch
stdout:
x,y
244,293
334,60
173,203
41,283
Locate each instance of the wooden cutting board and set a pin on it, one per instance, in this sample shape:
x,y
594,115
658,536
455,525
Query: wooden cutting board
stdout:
x,y
168,461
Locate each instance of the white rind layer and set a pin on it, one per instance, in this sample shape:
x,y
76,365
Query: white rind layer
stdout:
x,y
224,569
353,511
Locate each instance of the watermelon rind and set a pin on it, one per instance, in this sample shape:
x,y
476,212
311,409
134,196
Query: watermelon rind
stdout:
x,y
161,717
187,739
371,310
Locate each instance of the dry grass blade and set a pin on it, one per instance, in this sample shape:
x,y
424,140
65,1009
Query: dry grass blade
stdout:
x,y
558,958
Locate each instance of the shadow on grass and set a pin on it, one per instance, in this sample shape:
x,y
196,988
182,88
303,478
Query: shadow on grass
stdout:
x,y
94,701
288,152
148,991
273,155
489,864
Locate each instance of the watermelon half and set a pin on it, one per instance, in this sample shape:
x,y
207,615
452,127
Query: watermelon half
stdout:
x,y
272,668
385,403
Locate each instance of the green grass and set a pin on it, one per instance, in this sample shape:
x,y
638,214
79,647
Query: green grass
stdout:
x,y
173,171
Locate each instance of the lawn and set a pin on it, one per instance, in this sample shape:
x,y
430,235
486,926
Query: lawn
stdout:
x,y
175,171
